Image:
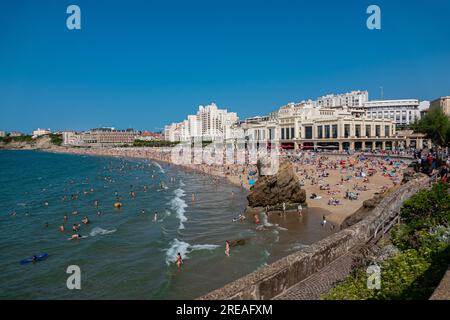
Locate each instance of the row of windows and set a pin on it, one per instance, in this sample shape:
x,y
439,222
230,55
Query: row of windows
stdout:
x,y
287,133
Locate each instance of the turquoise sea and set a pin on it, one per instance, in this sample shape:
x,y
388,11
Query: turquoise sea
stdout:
x,y
125,253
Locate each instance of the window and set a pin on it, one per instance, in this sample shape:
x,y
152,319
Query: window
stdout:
x,y
319,132
357,130
292,133
327,132
387,131
346,131
334,131
282,133
368,131
308,132
377,130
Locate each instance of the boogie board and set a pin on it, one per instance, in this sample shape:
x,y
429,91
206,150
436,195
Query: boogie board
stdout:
x,y
40,257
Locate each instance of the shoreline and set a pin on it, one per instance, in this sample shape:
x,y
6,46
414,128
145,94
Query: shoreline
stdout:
x,y
336,214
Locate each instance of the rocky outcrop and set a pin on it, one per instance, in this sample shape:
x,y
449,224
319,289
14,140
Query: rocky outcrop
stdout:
x,y
273,190
411,173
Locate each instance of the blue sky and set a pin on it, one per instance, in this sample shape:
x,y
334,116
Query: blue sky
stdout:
x,y
143,64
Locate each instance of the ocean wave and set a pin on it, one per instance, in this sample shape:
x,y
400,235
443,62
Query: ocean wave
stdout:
x,y
182,183
179,205
159,166
99,231
184,248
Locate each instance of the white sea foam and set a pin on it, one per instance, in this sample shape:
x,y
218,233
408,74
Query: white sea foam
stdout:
x,y
182,183
265,223
159,166
179,206
99,231
184,248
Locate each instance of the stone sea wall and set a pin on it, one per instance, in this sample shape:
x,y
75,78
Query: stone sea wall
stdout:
x,y
274,279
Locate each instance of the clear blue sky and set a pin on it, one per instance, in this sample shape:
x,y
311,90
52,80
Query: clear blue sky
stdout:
x,y
146,63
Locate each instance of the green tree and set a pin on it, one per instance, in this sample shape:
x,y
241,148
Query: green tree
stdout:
x,y
436,125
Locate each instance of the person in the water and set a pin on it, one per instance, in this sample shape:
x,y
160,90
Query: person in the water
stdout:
x,y
179,260
227,248
85,220
75,236
75,227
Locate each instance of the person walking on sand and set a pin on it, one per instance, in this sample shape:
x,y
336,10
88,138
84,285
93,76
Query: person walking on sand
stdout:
x,y
299,209
324,221
227,248
179,260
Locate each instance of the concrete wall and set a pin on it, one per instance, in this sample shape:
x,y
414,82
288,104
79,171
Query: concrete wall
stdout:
x,y
270,281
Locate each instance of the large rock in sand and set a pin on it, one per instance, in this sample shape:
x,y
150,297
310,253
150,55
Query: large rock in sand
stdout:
x,y
273,190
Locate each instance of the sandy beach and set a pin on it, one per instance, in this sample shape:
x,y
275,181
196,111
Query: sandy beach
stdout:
x,y
337,183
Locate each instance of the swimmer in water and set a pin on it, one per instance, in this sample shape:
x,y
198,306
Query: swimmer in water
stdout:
x,y
85,220
155,218
227,248
193,197
75,227
46,203
179,260
75,236
142,211
66,217
61,228
256,216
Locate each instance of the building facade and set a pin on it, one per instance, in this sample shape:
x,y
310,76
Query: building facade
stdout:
x,y
209,124
100,137
442,103
41,132
402,112
354,99
307,127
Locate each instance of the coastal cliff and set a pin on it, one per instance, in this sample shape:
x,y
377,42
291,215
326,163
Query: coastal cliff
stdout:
x,y
28,143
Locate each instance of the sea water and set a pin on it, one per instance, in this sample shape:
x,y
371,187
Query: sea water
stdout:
x,y
124,253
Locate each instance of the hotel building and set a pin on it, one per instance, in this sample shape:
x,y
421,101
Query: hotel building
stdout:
x,y
402,112
354,99
209,124
100,137
41,132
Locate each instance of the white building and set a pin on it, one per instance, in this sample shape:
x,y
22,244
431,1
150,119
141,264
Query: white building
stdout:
x,y
71,138
41,132
350,99
209,124
402,112
2,134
